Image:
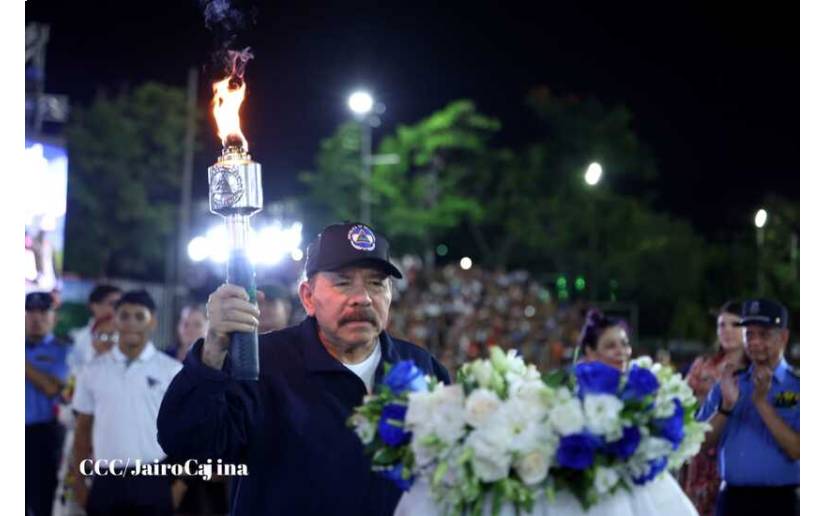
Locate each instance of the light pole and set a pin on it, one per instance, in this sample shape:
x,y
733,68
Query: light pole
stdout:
x,y
759,220
592,177
361,103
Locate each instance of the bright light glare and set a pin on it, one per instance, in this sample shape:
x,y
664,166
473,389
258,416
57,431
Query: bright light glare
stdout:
x,y
268,246
198,249
466,263
593,174
297,255
361,102
761,218
218,244
275,242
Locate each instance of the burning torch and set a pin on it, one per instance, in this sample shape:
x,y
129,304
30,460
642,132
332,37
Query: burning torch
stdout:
x,y
235,194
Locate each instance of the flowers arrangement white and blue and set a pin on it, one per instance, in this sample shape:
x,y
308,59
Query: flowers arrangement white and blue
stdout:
x,y
505,434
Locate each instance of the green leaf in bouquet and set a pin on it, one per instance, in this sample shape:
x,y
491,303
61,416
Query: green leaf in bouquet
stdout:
x,y
478,506
440,471
499,359
498,385
499,495
386,455
556,379
466,456
550,493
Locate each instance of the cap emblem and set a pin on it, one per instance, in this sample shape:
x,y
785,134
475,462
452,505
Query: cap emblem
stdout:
x,y
754,308
361,238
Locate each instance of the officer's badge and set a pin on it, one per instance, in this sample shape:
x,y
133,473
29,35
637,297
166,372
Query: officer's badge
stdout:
x,y
361,238
786,399
151,381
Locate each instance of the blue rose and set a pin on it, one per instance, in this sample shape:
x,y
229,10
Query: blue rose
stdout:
x,y
673,427
626,446
391,425
640,383
577,451
656,467
405,376
597,378
396,474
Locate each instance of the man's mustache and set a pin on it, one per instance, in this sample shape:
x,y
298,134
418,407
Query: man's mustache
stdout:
x,y
360,316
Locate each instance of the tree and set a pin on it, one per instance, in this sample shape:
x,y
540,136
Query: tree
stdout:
x,y
334,187
125,154
417,199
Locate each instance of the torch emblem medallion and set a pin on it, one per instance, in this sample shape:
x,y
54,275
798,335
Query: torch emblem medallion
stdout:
x,y
226,187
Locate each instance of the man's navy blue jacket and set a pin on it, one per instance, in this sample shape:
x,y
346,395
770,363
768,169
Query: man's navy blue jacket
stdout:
x,y
289,427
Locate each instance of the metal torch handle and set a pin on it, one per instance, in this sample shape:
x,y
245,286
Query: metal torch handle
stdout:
x,y
243,347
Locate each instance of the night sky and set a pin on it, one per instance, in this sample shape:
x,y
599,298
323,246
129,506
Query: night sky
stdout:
x,y
714,88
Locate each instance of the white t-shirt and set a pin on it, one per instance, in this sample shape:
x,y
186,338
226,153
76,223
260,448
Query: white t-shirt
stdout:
x,y
82,350
124,399
366,369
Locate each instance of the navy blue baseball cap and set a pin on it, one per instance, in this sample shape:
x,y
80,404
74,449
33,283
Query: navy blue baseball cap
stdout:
x,y
764,312
41,301
346,244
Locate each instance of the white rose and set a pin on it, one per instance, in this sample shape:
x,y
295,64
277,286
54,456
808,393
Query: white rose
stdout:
x,y
676,387
480,405
652,448
602,413
605,479
663,408
363,428
424,449
532,397
491,461
532,467
419,417
448,412
567,417
643,361
515,363
561,395
535,435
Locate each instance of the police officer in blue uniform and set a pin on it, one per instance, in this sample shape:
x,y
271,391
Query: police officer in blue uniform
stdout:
x,y
46,372
755,418
289,427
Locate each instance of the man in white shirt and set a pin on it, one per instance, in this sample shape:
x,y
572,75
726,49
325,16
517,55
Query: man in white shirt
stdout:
x,y
117,401
102,303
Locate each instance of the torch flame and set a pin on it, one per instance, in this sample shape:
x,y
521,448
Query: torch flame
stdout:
x,y
228,95
226,103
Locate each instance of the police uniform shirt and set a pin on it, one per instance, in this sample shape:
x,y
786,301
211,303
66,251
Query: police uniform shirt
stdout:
x,y
48,356
748,453
124,397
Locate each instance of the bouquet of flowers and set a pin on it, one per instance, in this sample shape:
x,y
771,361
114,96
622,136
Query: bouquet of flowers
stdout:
x,y
505,434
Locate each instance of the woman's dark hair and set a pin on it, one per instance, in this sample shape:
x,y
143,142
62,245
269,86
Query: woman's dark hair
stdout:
x,y
101,292
594,325
731,307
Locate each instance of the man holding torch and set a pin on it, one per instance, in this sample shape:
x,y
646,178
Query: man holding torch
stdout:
x,y
289,426
280,405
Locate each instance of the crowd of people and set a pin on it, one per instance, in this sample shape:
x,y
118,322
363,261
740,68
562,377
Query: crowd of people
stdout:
x,y
100,394
458,314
